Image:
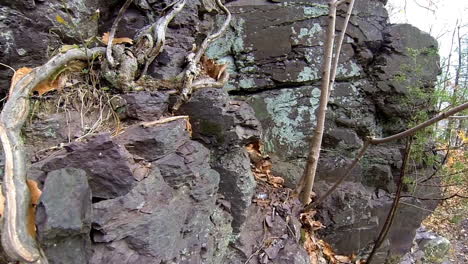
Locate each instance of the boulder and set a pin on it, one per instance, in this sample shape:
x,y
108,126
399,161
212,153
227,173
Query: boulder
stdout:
x,y
63,217
107,164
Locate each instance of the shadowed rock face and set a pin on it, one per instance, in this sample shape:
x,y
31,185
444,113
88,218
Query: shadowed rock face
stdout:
x,y
275,53
160,195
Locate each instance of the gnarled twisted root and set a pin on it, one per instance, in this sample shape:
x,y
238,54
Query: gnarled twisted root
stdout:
x,y
16,240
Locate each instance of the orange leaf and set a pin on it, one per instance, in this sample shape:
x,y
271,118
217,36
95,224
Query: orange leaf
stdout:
x,y
47,86
19,74
213,69
35,196
35,191
105,39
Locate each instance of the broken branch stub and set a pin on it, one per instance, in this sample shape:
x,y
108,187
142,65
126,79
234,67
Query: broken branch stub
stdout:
x,y
16,240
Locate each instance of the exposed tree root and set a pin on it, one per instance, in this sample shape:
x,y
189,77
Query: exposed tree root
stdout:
x,y
109,57
16,240
193,69
149,42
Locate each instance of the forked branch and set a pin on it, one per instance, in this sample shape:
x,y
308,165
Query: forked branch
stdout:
x,y
376,141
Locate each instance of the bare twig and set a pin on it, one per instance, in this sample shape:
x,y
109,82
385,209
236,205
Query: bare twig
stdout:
x,y
16,240
392,213
436,199
192,70
415,129
348,170
376,141
328,78
8,66
151,39
112,32
339,43
164,120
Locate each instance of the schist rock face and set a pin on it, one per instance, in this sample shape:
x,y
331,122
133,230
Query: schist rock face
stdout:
x,y
170,193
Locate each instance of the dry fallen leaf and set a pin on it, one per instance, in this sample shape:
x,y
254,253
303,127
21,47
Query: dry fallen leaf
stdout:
x,y
35,191
35,196
2,202
213,69
47,86
19,74
105,39
328,252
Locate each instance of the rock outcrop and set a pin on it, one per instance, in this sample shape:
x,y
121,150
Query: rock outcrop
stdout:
x,y
160,194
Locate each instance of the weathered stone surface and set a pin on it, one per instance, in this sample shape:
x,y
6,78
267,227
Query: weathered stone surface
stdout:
x,y
226,126
31,30
63,216
237,183
166,225
428,248
219,121
108,165
274,51
282,247
354,215
154,142
146,106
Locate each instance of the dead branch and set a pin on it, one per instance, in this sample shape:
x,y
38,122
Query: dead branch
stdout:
x,y
376,141
193,70
392,213
112,33
423,125
164,120
436,199
16,240
149,42
458,117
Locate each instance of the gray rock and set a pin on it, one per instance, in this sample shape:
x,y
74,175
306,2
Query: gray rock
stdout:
x,y
166,225
380,176
154,142
226,126
219,121
146,106
428,248
63,216
354,216
435,248
108,165
237,183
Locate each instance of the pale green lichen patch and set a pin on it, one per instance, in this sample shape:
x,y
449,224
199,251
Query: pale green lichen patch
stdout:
x,y
316,10
306,35
350,70
246,83
229,60
232,40
291,112
307,74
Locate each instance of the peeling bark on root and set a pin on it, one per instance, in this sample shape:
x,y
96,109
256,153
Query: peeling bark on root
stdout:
x,y
16,240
